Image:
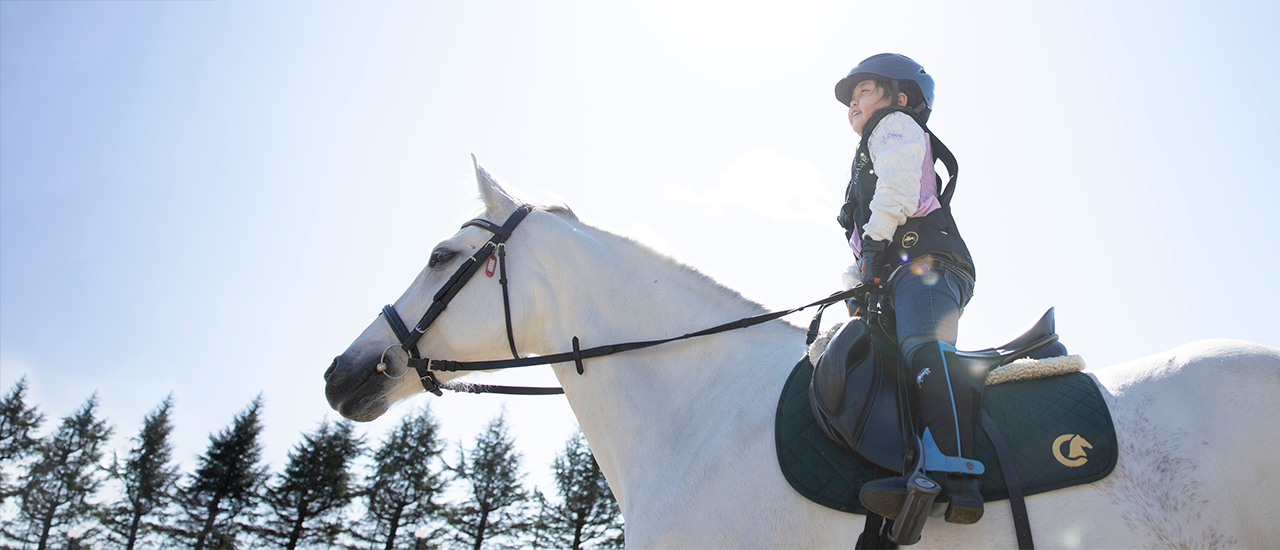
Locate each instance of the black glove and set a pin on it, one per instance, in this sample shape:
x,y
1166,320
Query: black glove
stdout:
x,y
869,261
857,305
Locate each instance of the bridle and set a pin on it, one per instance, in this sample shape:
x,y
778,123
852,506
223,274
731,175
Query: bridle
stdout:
x,y
494,251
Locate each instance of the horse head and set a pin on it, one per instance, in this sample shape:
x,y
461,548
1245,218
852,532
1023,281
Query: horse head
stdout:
x,y
373,372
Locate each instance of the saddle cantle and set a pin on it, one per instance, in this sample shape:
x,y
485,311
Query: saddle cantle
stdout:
x,y
856,403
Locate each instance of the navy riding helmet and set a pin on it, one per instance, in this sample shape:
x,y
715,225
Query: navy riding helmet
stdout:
x,y
895,67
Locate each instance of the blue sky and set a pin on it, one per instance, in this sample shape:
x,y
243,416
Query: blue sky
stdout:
x,y
214,198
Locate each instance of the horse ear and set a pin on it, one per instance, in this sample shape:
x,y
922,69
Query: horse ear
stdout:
x,y
496,199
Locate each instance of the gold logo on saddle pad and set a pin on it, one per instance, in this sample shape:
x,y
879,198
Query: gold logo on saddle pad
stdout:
x,y
1075,455
910,239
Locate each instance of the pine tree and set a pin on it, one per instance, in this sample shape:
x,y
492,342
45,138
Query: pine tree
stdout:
x,y
406,479
17,424
64,478
306,502
494,513
147,477
218,499
587,515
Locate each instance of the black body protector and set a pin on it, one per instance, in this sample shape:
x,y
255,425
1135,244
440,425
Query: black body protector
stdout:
x,y
932,235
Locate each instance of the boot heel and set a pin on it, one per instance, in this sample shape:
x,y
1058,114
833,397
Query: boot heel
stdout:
x,y
966,500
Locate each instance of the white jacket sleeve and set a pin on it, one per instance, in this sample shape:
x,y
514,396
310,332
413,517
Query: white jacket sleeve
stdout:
x,y
897,147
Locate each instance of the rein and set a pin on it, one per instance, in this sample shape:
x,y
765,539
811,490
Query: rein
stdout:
x,y
496,248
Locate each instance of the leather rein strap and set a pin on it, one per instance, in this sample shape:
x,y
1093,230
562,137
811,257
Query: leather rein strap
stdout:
x,y
496,245
578,355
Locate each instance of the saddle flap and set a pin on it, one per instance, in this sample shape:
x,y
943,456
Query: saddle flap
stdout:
x,y
831,378
855,403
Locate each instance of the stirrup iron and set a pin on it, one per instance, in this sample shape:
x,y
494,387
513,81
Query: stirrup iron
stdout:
x,y
921,492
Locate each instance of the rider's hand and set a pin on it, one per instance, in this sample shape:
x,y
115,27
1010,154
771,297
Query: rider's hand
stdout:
x,y
850,280
869,261
850,277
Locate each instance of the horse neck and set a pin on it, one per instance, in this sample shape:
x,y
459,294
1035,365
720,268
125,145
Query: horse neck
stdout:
x,y
648,405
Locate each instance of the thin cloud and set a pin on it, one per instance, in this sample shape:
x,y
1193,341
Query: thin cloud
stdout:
x,y
765,183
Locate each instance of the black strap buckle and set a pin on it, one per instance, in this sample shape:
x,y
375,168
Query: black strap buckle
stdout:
x,y
430,383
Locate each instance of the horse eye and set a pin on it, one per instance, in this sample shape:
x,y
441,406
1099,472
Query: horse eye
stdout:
x,y
440,257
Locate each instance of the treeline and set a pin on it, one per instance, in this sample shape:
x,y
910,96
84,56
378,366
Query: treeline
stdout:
x,y
64,491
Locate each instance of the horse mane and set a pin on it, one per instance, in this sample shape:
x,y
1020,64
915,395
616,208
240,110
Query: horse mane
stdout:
x,y
563,211
658,261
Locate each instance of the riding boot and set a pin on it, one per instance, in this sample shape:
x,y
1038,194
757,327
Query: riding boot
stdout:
x,y
949,400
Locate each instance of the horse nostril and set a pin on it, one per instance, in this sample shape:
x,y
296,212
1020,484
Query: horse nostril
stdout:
x,y
332,367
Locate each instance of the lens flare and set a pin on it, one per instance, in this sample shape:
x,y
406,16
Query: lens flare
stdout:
x,y
1071,537
924,270
977,372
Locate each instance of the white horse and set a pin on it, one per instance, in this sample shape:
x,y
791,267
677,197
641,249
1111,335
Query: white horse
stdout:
x,y
684,431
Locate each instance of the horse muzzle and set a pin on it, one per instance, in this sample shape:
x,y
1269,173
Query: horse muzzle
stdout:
x,y
359,394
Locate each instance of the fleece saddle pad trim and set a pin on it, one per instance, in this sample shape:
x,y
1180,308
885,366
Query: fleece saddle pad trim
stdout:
x,y
1059,430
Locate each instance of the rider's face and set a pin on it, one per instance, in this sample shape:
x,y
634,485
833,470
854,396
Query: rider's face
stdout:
x,y
867,99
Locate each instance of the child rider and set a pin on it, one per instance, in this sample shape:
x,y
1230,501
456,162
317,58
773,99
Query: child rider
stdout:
x,y
903,236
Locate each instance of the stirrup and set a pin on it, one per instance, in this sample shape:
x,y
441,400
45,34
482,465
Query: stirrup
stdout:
x,y
968,508
936,462
921,492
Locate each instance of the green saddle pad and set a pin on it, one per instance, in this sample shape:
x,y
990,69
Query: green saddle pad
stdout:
x,y
1059,431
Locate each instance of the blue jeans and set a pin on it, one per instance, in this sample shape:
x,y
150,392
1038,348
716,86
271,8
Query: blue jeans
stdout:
x,y
928,296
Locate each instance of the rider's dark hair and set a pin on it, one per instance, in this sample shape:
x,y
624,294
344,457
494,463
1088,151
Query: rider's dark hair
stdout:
x,y
914,97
